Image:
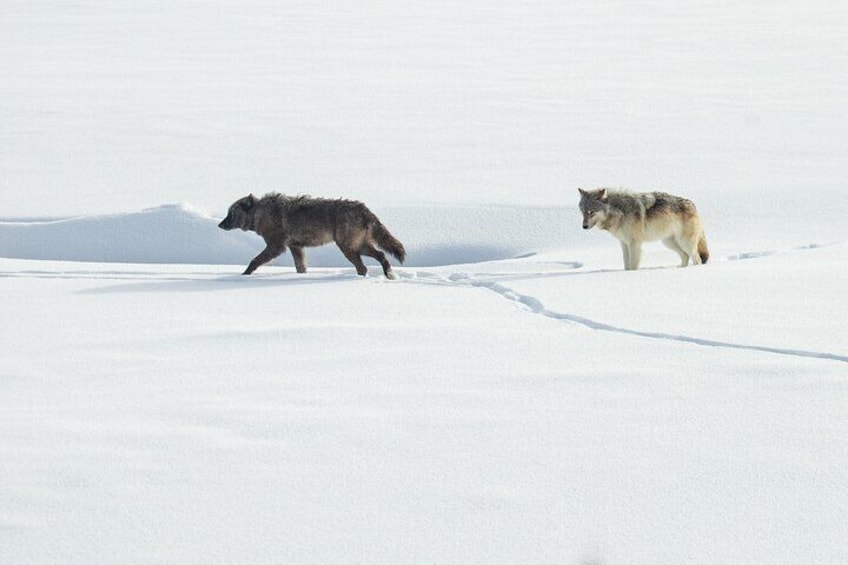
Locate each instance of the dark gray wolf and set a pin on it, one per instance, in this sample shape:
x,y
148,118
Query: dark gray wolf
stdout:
x,y
302,221
635,217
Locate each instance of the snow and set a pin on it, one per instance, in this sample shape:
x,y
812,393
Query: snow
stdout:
x,y
515,396
179,233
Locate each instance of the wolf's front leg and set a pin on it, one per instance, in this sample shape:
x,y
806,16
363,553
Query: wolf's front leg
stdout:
x,y
625,252
269,253
635,255
299,258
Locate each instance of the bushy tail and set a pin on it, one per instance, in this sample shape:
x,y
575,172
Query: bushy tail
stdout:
x,y
703,252
387,241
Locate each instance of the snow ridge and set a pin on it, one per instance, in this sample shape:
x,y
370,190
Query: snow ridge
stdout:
x,y
181,234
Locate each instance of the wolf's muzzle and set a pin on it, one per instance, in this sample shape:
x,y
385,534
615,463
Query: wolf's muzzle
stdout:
x,y
225,224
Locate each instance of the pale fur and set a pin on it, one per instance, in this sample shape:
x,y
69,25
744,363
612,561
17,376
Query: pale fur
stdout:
x,y
636,217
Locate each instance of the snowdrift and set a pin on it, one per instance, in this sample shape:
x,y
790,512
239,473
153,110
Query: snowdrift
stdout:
x,y
179,233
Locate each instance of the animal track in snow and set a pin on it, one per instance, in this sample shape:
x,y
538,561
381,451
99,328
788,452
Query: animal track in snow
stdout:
x,y
768,253
536,306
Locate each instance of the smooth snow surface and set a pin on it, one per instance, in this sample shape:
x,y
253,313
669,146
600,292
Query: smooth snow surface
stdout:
x,y
520,411
113,106
515,396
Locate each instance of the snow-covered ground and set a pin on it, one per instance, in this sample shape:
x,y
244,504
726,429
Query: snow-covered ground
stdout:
x,y
511,411
515,397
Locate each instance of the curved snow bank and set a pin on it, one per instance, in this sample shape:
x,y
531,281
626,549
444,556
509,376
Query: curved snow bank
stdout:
x,y
165,234
178,233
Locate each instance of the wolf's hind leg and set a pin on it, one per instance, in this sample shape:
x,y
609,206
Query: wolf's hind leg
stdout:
x,y
371,251
354,258
690,246
672,244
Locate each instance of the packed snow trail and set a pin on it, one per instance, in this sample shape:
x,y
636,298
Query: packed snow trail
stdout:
x,y
494,282
537,307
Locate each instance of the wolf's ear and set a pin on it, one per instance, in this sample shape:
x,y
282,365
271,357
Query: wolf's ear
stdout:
x,y
602,195
582,192
248,202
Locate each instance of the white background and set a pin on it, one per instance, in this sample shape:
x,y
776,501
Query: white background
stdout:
x,y
515,397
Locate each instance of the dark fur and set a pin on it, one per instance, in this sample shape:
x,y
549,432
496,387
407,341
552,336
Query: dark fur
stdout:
x,y
301,221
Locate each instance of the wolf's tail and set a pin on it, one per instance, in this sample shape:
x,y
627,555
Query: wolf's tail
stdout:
x,y
387,242
703,252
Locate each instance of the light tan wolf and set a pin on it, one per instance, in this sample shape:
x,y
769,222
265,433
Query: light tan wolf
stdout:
x,y
635,217
302,221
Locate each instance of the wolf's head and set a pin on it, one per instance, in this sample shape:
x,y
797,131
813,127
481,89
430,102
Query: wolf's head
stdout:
x,y
594,206
239,214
